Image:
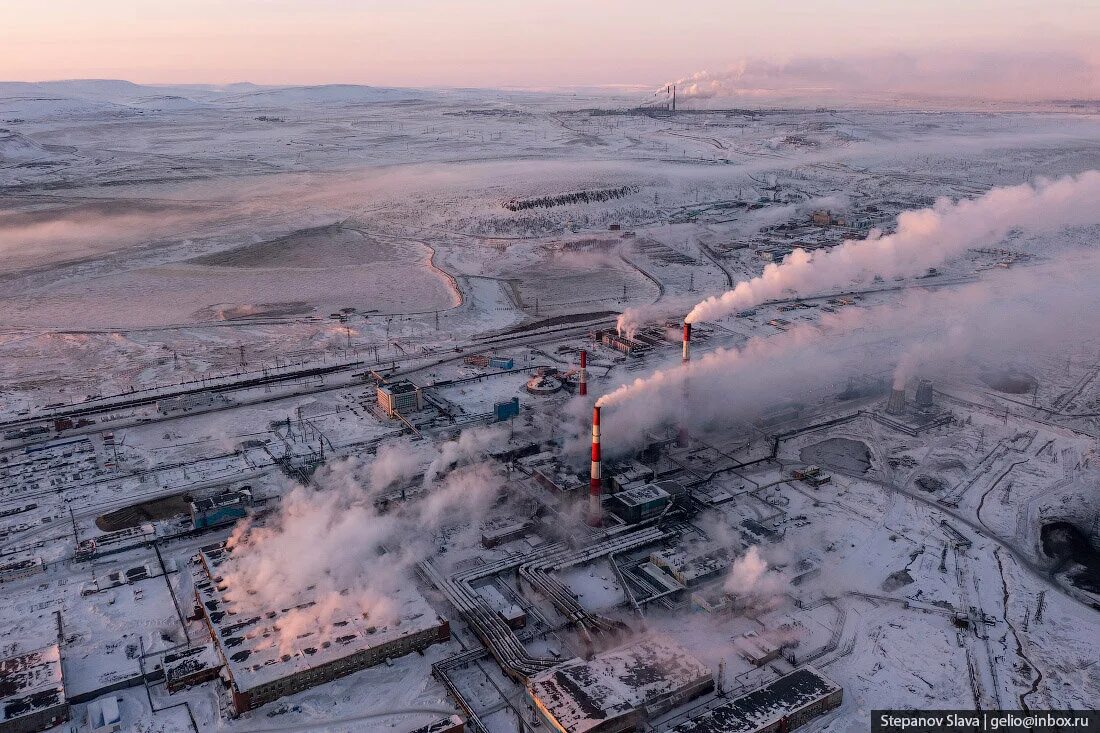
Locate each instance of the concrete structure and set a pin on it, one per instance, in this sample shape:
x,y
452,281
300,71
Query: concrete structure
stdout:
x,y
686,357
626,474
693,566
541,385
32,691
184,668
641,503
225,508
104,715
618,689
924,393
783,705
757,650
399,397
628,346
595,482
21,569
259,671
498,536
896,404
506,410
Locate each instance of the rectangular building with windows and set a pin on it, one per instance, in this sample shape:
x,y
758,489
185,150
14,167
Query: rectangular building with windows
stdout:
x,y
399,397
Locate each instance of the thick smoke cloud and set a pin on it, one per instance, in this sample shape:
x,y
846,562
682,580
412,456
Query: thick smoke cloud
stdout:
x,y
924,237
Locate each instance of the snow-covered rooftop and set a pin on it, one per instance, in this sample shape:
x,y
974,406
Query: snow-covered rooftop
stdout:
x,y
580,695
30,682
763,706
256,653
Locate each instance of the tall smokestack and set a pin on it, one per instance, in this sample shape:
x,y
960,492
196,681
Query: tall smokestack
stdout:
x,y
582,384
682,434
595,484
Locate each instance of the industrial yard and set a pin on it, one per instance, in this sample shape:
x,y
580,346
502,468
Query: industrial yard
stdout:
x,y
348,408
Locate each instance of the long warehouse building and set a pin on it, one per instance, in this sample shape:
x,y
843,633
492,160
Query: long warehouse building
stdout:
x,y
259,670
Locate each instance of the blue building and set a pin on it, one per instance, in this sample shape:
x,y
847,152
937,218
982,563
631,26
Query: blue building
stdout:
x,y
221,509
506,410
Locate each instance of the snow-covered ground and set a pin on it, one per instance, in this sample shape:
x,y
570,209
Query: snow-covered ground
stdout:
x,y
277,251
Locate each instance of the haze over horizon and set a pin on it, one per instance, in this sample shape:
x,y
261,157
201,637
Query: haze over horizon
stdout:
x,y
1008,50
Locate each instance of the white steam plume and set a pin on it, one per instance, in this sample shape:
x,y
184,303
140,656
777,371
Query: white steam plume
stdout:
x,y
1035,310
325,543
924,237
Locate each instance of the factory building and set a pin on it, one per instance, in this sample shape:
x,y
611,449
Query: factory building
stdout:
x,y
191,666
756,649
618,689
225,508
506,410
641,503
258,670
32,691
628,346
399,397
783,705
692,568
21,569
627,474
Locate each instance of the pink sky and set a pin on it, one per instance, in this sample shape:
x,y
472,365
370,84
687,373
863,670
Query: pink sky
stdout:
x,y
520,42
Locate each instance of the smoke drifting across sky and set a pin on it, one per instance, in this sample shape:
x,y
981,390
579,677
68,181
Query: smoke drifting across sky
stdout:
x,y
1000,75
924,237
1033,311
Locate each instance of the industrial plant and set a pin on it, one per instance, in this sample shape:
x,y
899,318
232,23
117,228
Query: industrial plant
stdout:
x,y
367,409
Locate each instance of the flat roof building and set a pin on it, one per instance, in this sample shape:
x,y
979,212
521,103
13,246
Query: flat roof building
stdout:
x,y
261,666
617,689
399,397
640,503
783,705
32,691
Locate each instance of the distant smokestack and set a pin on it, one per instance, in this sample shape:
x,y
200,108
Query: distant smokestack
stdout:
x,y
687,341
896,403
595,484
582,384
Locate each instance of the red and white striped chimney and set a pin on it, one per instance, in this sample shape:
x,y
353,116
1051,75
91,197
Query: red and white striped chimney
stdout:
x,y
595,484
682,433
582,383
